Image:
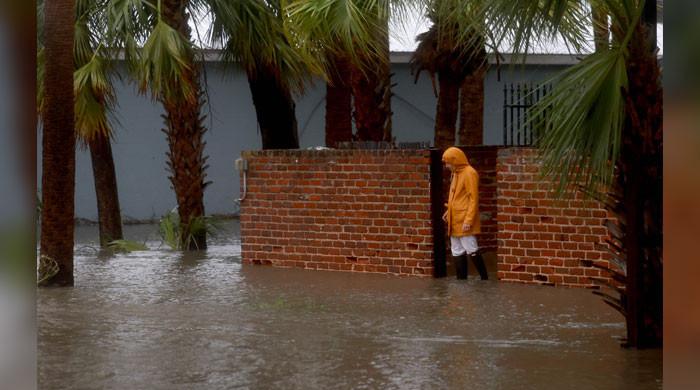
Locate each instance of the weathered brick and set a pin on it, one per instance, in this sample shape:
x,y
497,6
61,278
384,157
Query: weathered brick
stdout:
x,y
558,232
356,214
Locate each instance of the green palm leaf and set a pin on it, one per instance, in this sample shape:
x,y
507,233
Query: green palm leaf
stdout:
x,y
349,28
92,87
253,34
94,98
128,24
93,90
581,121
165,61
520,25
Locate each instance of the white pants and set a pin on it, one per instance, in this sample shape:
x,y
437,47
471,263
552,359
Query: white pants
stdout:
x,y
464,244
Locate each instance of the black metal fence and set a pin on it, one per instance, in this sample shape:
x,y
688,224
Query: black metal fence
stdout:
x,y
517,100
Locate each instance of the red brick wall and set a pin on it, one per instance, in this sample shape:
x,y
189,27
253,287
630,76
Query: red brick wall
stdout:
x,y
369,211
540,239
342,210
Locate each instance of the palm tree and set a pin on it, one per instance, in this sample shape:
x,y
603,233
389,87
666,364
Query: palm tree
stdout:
x,y
166,67
457,67
181,96
253,34
94,98
371,81
355,31
335,62
602,133
58,142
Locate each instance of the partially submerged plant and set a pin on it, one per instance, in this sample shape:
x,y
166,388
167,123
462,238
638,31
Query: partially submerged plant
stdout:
x,y
171,231
126,246
169,228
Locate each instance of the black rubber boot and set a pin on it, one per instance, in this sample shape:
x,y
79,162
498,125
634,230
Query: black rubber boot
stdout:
x,y
461,266
480,265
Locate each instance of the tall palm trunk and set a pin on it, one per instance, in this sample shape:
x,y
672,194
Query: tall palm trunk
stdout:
x,y
471,114
371,88
58,143
372,93
274,108
185,131
338,104
447,108
640,178
108,210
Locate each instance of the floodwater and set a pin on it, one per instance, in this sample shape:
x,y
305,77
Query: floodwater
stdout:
x,y
160,319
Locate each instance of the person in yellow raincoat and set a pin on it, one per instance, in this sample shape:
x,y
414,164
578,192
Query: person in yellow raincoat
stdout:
x,y
462,215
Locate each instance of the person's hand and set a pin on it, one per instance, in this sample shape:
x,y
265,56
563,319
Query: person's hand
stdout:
x,y
444,216
466,227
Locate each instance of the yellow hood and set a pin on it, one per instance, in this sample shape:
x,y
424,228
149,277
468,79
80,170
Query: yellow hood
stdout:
x,y
455,157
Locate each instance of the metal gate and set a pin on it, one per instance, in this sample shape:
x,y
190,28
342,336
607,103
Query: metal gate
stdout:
x,y
517,100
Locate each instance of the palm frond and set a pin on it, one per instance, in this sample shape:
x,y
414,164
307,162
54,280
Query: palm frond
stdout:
x,y
440,48
129,23
94,99
165,63
253,33
521,25
581,122
355,29
91,28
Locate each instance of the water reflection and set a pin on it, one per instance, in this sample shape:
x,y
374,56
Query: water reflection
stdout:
x,y
162,319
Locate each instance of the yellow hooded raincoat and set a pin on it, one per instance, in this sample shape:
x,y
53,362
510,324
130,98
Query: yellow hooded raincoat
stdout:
x,y
463,199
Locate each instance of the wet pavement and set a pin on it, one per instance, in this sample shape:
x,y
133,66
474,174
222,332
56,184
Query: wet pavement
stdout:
x,y
160,319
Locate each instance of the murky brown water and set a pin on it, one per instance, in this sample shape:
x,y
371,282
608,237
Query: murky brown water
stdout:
x,y
164,320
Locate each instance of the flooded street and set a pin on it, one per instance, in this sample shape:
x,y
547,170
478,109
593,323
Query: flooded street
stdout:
x,y
160,319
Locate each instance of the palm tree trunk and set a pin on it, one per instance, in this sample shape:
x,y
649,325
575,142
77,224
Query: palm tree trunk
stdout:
x,y
185,131
447,108
108,211
640,178
372,113
471,114
58,143
338,104
371,89
274,108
